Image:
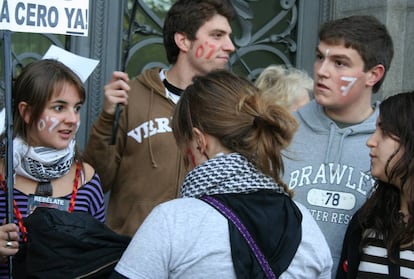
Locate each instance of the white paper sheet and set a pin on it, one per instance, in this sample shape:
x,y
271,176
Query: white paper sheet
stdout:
x,y
82,66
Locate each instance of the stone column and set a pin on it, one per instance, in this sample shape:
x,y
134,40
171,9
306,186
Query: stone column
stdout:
x,y
103,43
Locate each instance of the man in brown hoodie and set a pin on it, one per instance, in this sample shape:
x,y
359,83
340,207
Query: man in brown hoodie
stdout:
x,y
144,167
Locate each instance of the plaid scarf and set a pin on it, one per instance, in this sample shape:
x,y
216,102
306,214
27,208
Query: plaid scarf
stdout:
x,y
41,163
225,174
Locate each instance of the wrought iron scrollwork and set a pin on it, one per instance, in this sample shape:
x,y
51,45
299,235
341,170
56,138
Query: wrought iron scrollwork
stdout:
x,y
21,58
257,46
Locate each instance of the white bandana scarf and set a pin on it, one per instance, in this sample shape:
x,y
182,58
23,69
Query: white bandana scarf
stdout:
x,y
225,174
41,163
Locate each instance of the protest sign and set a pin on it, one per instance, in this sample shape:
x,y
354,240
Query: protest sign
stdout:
x,y
69,17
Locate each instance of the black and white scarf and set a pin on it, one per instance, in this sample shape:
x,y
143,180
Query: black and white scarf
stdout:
x,y
41,163
225,174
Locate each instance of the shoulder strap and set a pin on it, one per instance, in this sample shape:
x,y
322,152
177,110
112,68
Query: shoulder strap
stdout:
x,y
243,231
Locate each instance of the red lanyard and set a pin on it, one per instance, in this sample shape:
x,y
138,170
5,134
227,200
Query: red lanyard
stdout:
x,y
75,187
16,210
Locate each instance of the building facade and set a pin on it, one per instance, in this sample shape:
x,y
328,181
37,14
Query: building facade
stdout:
x,y
127,35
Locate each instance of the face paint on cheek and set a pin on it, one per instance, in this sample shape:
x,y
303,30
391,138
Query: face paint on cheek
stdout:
x,y
54,122
345,88
205,50
41,125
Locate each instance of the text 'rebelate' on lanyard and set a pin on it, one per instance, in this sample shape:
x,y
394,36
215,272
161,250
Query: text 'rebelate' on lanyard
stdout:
x,y
16,209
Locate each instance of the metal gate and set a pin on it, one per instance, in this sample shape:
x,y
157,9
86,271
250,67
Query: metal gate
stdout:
x,y
127,35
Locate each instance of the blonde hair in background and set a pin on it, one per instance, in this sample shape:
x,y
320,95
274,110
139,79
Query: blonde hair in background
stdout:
x,y
288,86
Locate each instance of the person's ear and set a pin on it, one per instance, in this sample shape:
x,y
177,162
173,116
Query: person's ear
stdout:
x,y
182,41
200,140
25,112
375,74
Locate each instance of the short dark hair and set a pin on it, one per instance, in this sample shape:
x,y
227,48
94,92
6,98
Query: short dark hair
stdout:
x,y
367,35
187,16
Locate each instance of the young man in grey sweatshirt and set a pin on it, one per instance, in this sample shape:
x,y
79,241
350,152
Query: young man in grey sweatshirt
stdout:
x,y
328,162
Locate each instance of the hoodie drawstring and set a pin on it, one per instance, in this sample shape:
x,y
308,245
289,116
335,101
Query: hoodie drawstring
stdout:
x,y
330,141
153,162
339,151
341,143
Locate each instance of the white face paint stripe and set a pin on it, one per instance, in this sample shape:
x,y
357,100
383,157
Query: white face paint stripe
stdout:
x,y
41,125
54,122
327,52
345,89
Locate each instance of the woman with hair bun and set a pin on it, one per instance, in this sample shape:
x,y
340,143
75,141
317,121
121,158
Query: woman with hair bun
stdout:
x,y
236,217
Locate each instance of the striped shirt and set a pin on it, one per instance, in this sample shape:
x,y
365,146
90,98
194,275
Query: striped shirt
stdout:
x,y
89,198
374,261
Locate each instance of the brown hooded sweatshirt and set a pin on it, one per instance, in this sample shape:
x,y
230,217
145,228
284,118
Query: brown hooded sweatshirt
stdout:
x,y
144,167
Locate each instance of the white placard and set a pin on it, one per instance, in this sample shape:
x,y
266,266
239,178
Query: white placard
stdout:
x,y
82,66
69,17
